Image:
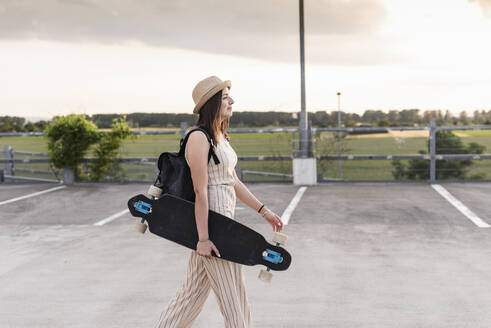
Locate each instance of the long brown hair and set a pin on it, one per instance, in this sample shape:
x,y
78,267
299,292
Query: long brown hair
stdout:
x,y
209,117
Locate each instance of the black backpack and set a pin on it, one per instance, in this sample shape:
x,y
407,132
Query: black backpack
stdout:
x,y
174,175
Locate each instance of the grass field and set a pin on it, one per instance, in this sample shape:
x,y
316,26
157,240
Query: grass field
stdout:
x,y
276,144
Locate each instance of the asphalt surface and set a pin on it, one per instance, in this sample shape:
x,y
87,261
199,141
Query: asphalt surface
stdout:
x,y
364,255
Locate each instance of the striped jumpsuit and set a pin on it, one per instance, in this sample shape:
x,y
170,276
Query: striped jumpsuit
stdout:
x,y
205,274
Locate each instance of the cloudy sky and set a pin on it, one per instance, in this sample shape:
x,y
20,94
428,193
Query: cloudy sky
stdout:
x,y
121,56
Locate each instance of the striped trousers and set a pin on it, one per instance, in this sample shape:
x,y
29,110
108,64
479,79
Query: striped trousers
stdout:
x,y
204,274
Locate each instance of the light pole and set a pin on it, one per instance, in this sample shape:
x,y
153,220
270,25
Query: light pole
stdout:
x,y
302,125
340,163
304,164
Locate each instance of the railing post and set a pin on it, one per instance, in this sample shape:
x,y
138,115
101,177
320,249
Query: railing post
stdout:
x,y
8,153
310,146
295,149
340,148
432,151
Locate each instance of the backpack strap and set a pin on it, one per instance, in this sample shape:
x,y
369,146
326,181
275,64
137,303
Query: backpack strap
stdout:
x,y
211,153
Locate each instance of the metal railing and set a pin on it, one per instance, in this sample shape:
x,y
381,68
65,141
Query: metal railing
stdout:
x,y
432,155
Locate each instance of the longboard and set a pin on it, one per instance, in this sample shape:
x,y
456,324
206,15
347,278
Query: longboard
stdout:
x,y
173,218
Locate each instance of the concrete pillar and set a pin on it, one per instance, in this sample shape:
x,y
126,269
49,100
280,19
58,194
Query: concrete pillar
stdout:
x,y
304,171
68,176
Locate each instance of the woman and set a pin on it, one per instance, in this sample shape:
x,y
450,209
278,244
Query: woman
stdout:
x,y
216,187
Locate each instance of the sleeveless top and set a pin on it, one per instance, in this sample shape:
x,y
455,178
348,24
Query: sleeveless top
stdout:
x,y
221,181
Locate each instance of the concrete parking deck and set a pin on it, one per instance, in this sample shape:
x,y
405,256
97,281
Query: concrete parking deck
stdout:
x,y
364,255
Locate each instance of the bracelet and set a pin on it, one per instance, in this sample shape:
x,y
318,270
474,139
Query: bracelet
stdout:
x,y
259,210
203,241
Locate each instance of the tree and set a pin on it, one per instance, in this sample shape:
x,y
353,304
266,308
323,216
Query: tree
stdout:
x,y
107,150
446,143
448,118
410,116
327,143
463,118
41,126
29,127
12,124
383,123
393,116
69,138
373,116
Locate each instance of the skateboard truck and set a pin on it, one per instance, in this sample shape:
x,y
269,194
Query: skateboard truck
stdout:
x,y
146,208
143,207
272,256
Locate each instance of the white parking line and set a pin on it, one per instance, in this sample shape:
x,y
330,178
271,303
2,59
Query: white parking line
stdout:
x,y
111,218
461,207
31,195
285,217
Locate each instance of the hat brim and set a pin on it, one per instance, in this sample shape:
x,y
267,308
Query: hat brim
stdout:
x,y
211,93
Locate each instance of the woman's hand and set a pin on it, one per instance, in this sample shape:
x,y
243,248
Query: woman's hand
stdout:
x,y
204,248
274,220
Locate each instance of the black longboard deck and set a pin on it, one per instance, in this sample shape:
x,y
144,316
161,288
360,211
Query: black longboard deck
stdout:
x,y
173,218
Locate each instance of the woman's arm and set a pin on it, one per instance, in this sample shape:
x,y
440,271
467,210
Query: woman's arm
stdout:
x,y
246,196
196,154
250,200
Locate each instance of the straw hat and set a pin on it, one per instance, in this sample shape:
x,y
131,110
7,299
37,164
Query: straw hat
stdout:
x,y
206,89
